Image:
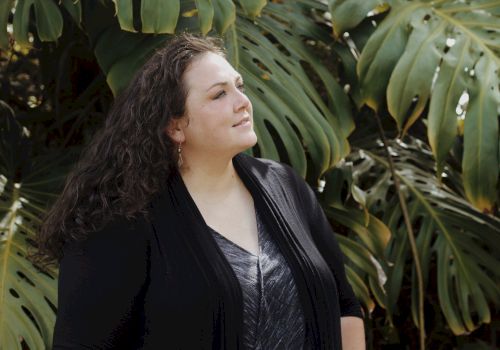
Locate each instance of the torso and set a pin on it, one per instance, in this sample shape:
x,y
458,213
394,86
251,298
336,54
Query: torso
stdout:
x,y
233,217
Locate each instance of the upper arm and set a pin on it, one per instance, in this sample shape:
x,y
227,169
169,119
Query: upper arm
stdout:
x,y
324,239
101,283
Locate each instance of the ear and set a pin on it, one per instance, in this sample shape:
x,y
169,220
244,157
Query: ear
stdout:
x,y
175,129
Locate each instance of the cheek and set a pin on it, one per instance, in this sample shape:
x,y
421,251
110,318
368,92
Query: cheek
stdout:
x,y
206,127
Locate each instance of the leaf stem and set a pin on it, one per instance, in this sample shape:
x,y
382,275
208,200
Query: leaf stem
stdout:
x,y
411,236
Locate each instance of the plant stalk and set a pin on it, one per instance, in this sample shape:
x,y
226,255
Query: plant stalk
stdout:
x,y
411,237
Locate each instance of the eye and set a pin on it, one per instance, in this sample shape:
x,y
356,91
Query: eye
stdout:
x,y
241,87
219,94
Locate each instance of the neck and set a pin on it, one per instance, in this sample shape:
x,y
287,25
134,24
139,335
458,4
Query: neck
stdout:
x,y
209,177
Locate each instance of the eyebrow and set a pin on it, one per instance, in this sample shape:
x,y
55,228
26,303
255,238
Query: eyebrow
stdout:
x,y
224,83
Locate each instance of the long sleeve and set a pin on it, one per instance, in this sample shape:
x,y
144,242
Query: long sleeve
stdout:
x,y
101,285
325,240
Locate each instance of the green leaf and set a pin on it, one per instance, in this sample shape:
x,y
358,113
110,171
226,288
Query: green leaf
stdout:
x,y
446,227
375,236
450,84
130,50
125,12
205,15
272,113
398,252
225,14
415,43
5,9
324,157
412,76
159,16
335,180
348,14
21,22
75,10
231,46
339,109
381,53
349,67
367,266
360,288
49,21
358,255
120,73
266,63
423,241
252,8
480,160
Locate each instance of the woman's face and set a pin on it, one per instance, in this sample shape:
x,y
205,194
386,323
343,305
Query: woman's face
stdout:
x,y
219,113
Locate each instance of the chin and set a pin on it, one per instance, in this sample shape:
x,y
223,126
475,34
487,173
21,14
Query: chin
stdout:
x,y
250,141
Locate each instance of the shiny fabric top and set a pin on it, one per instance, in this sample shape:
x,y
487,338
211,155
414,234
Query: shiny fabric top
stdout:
x,y
272,314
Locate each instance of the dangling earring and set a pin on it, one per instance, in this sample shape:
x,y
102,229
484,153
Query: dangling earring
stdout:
x,y
179,155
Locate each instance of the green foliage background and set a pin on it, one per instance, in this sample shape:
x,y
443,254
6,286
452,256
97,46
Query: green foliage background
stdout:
x,y
320,75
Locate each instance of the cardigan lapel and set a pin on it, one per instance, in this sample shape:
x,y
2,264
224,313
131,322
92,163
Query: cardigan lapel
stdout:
x,y
274,195
195,263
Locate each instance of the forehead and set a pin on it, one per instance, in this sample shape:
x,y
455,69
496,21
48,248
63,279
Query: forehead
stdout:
x,y
208,69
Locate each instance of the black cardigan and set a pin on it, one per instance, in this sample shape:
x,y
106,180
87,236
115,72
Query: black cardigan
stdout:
x,y
163,283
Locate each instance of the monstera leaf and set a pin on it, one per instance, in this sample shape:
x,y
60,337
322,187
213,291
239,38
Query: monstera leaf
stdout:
x,y
367,267
446,52
161,16
283,95
364,247
461,241
156,16
27,295
45,14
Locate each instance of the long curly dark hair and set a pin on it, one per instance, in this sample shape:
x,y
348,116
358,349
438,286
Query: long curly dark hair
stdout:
x,y
130,159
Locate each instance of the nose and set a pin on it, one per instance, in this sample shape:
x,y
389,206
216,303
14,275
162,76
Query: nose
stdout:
x,y
242,101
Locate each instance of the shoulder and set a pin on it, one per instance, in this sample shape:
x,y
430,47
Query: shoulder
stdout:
x,y
118,236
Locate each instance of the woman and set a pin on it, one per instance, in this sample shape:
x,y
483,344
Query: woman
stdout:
x,y
169,237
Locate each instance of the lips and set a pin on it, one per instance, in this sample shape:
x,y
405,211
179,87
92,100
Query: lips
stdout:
x,y
242,121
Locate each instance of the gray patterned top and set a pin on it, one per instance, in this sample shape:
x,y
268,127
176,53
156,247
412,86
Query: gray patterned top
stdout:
x,y
272,313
